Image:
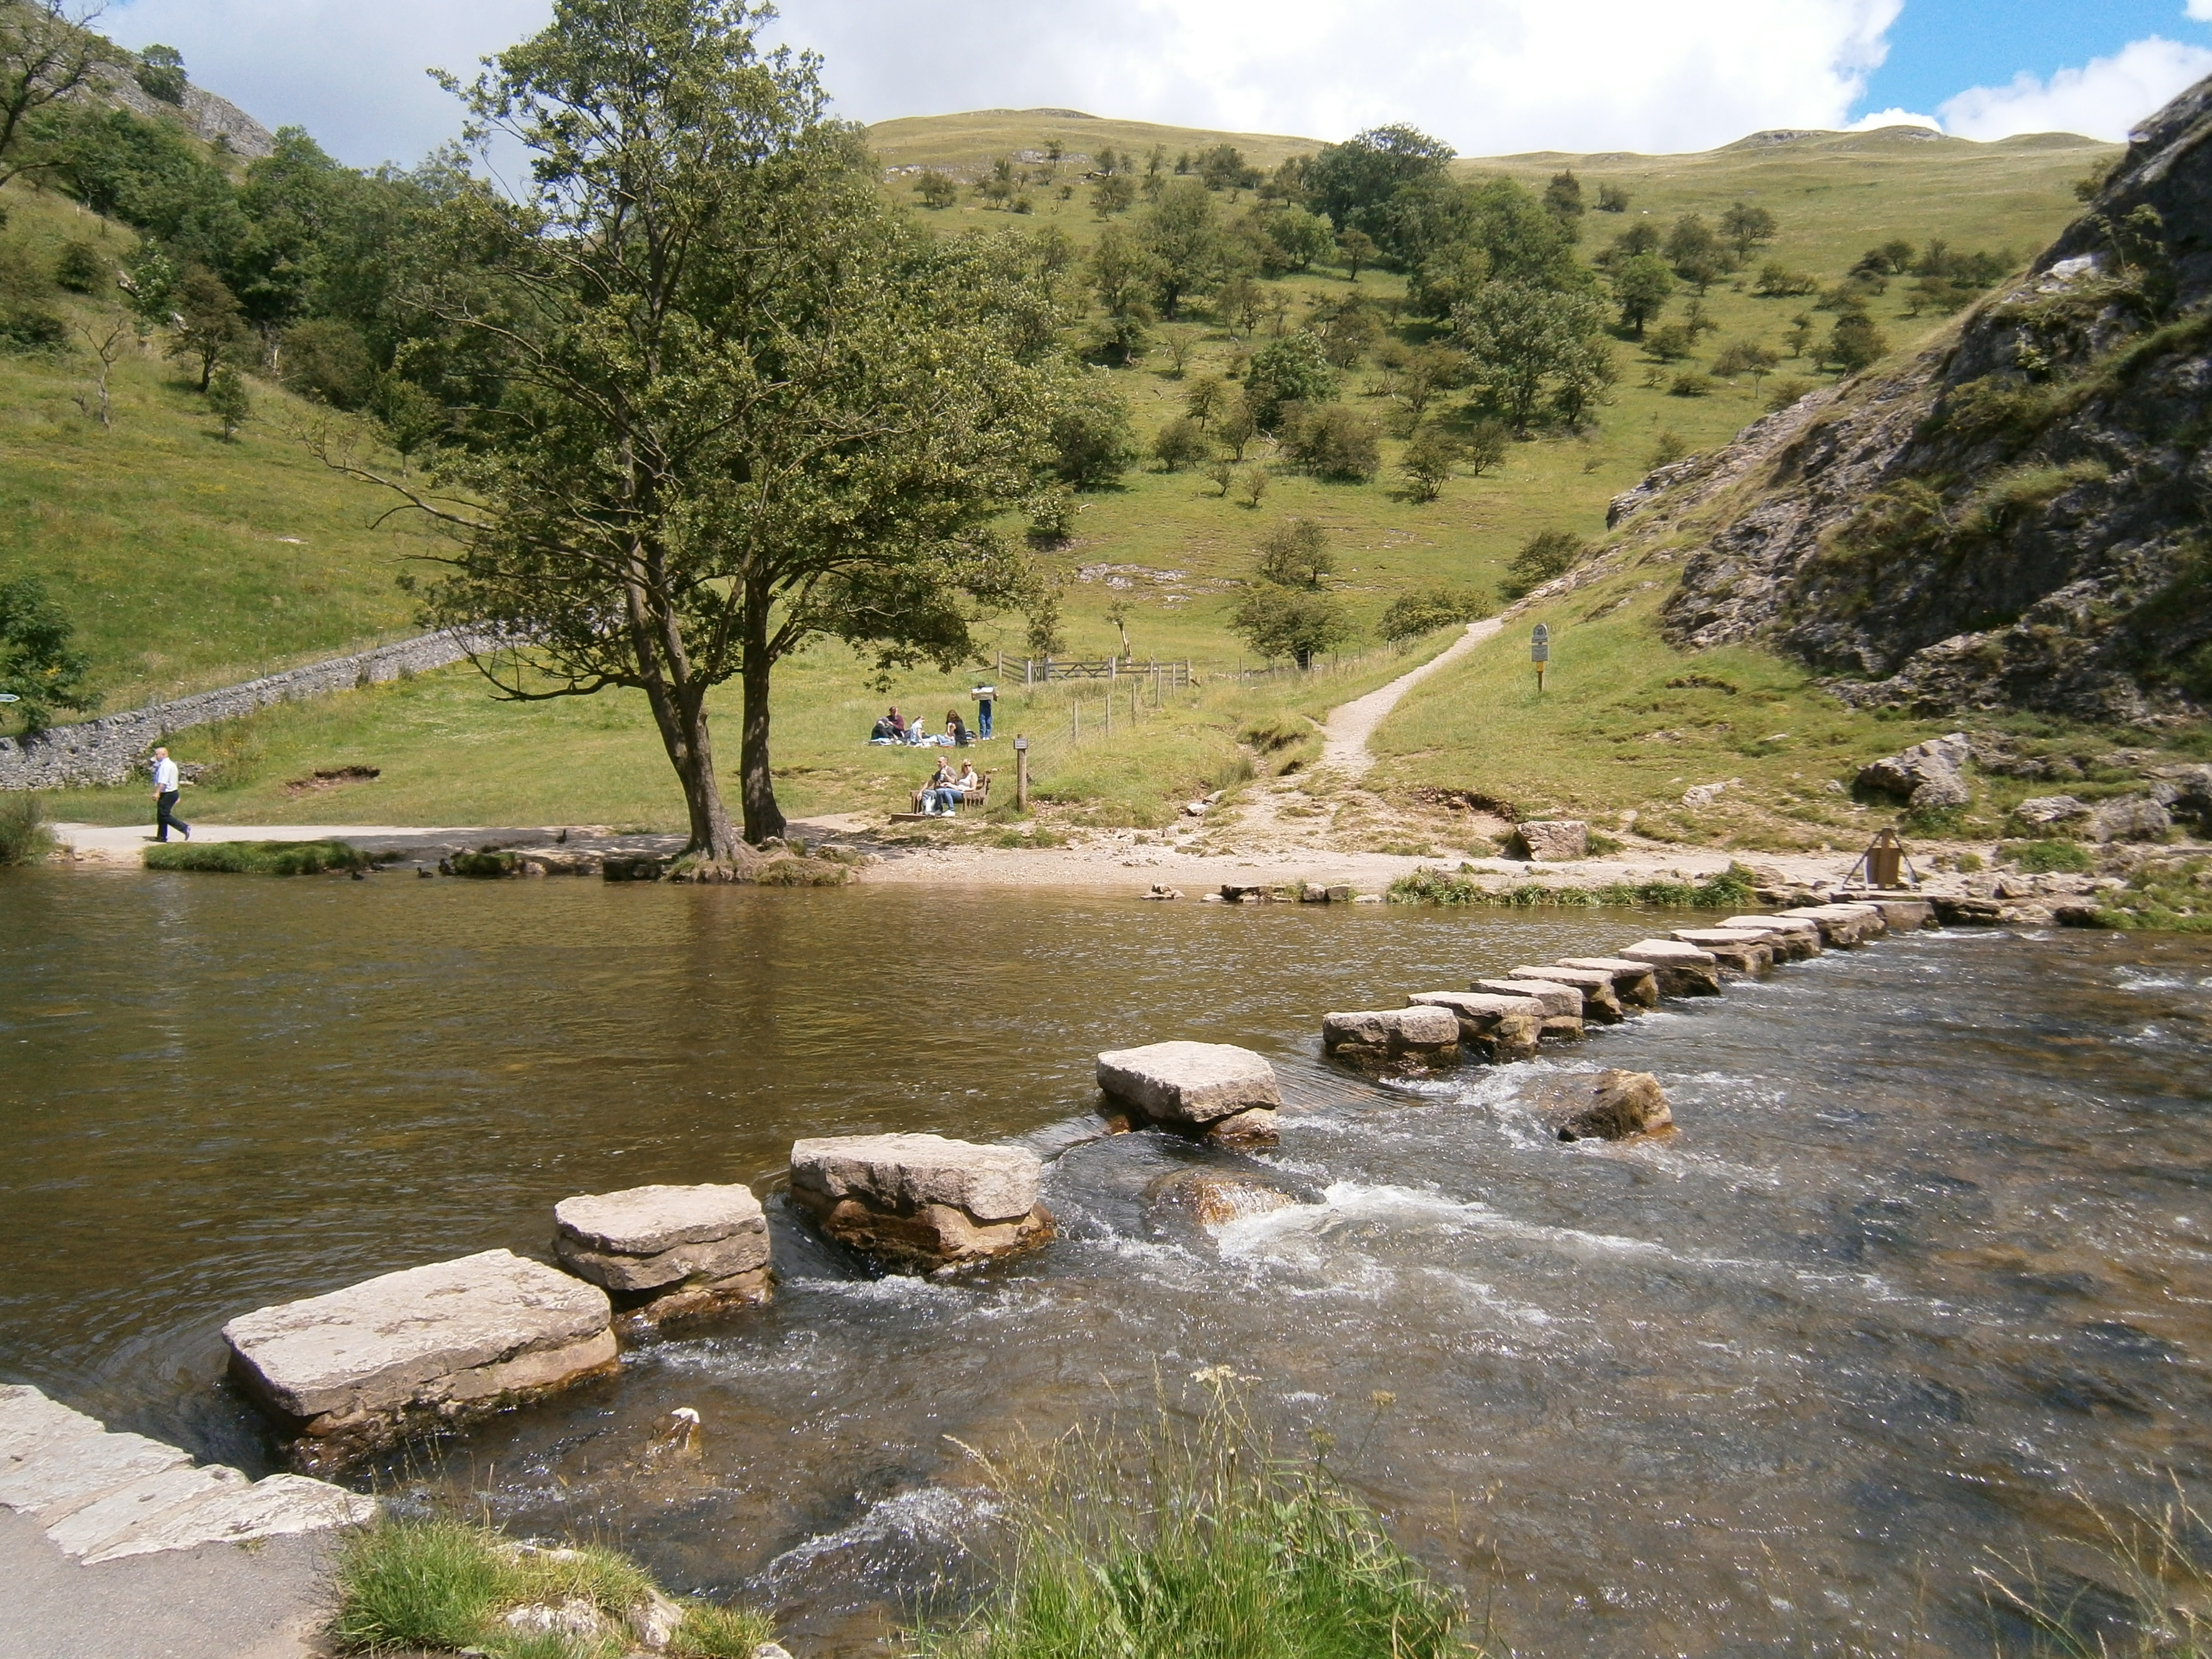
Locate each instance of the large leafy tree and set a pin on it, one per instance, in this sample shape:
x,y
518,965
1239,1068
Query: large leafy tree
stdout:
x,y
38,666
47,56
742,407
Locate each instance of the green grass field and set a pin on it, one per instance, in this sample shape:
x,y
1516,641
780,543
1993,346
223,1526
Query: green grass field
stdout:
x,y
171,549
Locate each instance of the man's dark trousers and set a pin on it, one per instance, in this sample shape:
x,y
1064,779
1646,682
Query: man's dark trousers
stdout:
x,y
165,815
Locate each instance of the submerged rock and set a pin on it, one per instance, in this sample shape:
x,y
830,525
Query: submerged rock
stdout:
x,y
1393,1042
354,1368
918,1203
1211,1089
1610,1106
668,1253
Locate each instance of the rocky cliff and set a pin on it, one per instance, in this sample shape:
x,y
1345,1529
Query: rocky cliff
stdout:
x,y
2016,517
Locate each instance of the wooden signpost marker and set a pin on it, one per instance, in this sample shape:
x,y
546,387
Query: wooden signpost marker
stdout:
x,y
1540,652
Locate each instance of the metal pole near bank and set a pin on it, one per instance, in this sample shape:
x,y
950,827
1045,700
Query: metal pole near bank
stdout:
x,y
1021,775
1540,652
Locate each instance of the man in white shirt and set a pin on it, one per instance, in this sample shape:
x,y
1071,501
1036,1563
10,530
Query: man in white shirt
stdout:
x,y
165,799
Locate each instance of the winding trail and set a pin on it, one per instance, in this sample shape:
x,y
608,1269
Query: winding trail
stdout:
x,y
1344,737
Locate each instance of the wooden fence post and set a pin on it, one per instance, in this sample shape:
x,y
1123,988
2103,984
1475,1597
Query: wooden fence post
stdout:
x,y
1022,774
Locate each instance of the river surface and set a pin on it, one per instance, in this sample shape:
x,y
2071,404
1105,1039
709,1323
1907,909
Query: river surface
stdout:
x,y
1928,1252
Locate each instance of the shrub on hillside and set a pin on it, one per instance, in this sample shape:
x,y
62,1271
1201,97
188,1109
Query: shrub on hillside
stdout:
x,y
1425,610
1183,442
82,269
1292,370
329,361
1336,444
1549,553
1092,439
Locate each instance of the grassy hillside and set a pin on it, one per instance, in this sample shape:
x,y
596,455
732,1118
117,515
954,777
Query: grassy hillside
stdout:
x,y
186,561
966,145
1611,736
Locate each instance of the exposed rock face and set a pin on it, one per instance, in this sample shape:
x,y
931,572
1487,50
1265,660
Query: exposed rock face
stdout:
x,y
2041,812
1929,774
668,1252
1553,840
102,1497
918,1203
1600,1001
1496,1029
1610,1106
1633,983
1742,951
1563,1003
2013,519
2131,818
1682,970
352,1370
1393,1042
1211,1089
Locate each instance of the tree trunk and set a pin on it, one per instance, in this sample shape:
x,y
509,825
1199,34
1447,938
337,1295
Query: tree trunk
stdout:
x,y
763,817
682,718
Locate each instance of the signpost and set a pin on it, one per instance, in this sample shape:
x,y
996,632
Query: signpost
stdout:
x,y
1021,775
1540,652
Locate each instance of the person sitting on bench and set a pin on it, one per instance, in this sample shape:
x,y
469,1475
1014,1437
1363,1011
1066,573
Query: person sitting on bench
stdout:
x,y
967,782
942,793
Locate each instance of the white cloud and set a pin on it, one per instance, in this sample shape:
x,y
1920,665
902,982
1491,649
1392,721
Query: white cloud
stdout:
x,y
1489,76
2200,9
2103,100
1900,117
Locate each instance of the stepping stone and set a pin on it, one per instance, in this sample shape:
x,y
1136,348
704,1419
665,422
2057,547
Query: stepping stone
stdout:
x,y
1563,1003
1964,910
665,1253
1740,950
358,1368
58,1476
28,1421
107,1518
1601,1002
921,1203
1610,1106
276,1506
1682,970
1633,983
1498,1029
1216,1090
1393,1042
1841,926
1794,940
1906,916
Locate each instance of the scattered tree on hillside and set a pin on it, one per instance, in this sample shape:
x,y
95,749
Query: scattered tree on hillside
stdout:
x,y
1611,198
937,190
1182,442
1301,239
81,268
1287,610
229,401
108,339
1292,370
1045,638
746,408
1183,234
1563,200
1236,428
1355,249
1427,609
1296,553
1430,460
1353,180
1549,553
1744,227
1114,193
38,665
206,322
1121,274
1695,255
1522,342
1640,285
1239,303
1800,337
47,54
1093,441
1335,444
161,74
1488,442
1855,342
1778,280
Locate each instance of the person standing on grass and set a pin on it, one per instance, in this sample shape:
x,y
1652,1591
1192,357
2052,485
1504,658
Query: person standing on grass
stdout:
x,y
166,781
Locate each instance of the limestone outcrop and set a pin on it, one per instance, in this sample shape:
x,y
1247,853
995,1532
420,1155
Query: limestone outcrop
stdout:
x,y
1927,776
1393,1042
345,1372
919,1203
1682,970
668,1253
1211,1089
1551,840
1496,1029
1612,1105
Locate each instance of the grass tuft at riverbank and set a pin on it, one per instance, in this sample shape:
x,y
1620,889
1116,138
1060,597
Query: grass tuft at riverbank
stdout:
x,y
442,1585
1197,1538
258,858
1731,890
24,836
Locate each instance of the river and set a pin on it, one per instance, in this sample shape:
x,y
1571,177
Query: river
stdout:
x,y
1929,1253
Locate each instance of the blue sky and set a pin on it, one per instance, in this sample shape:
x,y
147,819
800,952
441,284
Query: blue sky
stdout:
x,y
1491,76
1938,48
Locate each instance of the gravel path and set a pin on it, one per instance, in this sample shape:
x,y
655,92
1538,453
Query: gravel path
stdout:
x,y
1343,739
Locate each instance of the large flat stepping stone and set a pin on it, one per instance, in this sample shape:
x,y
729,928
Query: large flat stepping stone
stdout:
x,y
1906,916
1682,970
1563,1003
665,1253
1794,939
1393,1042
100,1496
1498,1029
354,1368
1841,926
1212,1088
1740,950
1633,983
919,1202
1600,1000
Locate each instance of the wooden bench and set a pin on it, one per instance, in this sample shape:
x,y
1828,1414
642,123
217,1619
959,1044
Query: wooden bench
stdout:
x,y
969,798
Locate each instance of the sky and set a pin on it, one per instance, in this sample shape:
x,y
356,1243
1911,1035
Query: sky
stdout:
x,y
1489,77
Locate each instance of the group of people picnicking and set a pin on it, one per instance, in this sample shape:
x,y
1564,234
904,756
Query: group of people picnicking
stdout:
x,y
895,727
942,795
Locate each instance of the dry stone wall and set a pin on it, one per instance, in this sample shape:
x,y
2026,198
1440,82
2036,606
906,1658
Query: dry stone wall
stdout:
x,y
114,747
